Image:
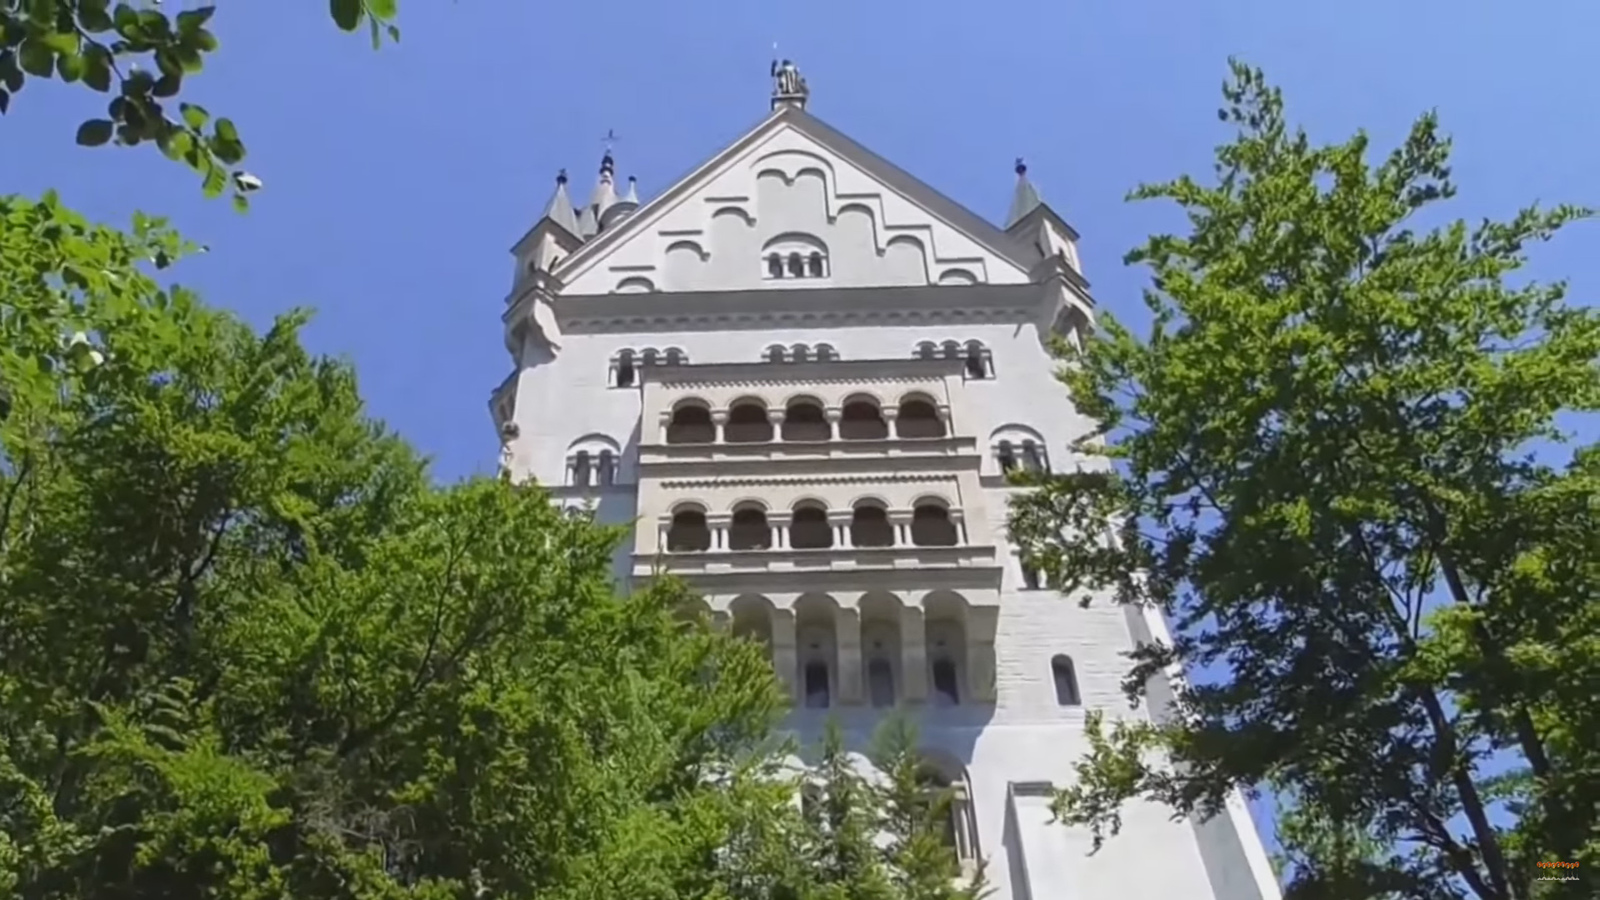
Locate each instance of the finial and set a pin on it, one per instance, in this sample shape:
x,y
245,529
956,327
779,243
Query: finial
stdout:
x,y
1022,167
788,85
561,177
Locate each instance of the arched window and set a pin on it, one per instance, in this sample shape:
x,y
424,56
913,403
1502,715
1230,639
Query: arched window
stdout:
x,y
804,420
869,527
675,357
607,468
749,530
691,424
774,265
927,350
623,372
650,357
1018,447
861,421
918,419
814,265
775,353
809,529
747,424
826,353
880,683
977,361
816,685
797,265
799,352
1005,456
1066,679
580,468
689,532
931,526
592,460
1033,458
795,255
946,689
952,350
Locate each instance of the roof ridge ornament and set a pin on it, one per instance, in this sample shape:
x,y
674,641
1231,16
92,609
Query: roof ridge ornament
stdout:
x,y
789,87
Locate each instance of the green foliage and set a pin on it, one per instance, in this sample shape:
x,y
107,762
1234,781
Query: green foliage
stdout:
x,y
1325,475
139,56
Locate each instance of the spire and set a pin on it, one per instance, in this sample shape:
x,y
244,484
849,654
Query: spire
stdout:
x,y
559,209
605,192
1024,198
632,196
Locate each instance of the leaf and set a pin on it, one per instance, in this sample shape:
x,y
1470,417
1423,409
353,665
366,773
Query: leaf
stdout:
x,y
97,68
5,100
194,116
192,20
226,131
94,132
71,67
36,58
346,13
382,9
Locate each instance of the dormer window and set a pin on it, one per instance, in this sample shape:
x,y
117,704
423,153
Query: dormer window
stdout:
x,y
793,256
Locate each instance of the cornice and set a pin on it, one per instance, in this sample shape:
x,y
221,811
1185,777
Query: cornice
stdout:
x,y
897,477
833,371
981,578
801,468
768,308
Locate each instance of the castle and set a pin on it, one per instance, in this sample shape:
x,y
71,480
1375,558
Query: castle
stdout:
x,y
804,375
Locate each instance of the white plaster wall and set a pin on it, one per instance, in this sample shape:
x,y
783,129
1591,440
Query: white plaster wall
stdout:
x,y
1024,735
712,238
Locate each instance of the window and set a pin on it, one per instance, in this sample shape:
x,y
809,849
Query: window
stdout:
x,y
869,527
688,533
775,353
814,265
747,424
1033,457
774,265
624,373
816,685
809,529
861,421
1066,679
792,256
945,690
1017,447
926,350
691,424
931,526
608,468
675,357
826,353
797,266
749,530
952,799
978,364
805,421
1006,456
580,468
918,419
592,460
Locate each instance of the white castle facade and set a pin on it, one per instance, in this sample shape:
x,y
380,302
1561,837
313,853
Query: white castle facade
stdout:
x,y
803,375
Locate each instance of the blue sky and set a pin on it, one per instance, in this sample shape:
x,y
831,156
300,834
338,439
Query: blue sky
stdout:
x,y
396,181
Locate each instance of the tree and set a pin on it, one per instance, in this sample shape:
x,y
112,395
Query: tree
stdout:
x,y
1324,859
139,56
248,650
1324,473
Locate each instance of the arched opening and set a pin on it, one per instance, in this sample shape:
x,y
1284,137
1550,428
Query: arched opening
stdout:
x,y
608,467
649,357
814,265
918,419
880,683
826,353
860,420
809,529
689,532
1033,458
775,353
946,683
952,350
926,350
747,424
977,361
1066,679
674,356
800,352
797,265
869,527
749,530
949,800
774,266
627,374
804,420
691,424
581,470
817,647
931,526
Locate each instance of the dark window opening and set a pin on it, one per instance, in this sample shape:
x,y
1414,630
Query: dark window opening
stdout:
x,y
797,265
774,266
918,419
691,425
880,683
608,467
977,365
775,354
869,527
931,527
815,265
688,533
1066,679
816,685
1031,578
945,691
861,421
1032,457
625,369
747,424
749,531
805,422
1006,456
809,529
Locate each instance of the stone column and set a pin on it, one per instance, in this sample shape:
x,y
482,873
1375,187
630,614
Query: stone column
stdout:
x,y
833,414
900,521
666,419
719,524
779,523
890,414
839,520
785,658
719,419
959,520
913,654
944,418
775,417
847,636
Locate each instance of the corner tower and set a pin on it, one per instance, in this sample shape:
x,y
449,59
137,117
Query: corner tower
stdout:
x,y
804,374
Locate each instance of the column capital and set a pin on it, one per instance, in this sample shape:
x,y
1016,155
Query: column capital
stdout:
x,y
775,416
719,417
833,414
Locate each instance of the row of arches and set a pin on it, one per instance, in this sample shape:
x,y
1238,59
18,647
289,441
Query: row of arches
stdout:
x,y
749,420
810,525
801,353
795,256
978,362
625,365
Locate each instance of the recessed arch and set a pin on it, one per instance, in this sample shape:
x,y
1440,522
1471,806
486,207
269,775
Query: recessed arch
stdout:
x,y
635,284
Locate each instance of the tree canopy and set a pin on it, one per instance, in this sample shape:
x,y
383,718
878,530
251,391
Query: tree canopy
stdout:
x,y
1337,468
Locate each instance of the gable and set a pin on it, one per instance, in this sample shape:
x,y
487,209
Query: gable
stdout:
x,y
795,204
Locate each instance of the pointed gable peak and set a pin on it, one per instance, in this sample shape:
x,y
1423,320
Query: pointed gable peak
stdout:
x,y
1025,198
559,210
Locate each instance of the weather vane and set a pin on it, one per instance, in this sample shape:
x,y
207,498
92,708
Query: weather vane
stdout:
x,y
610,139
